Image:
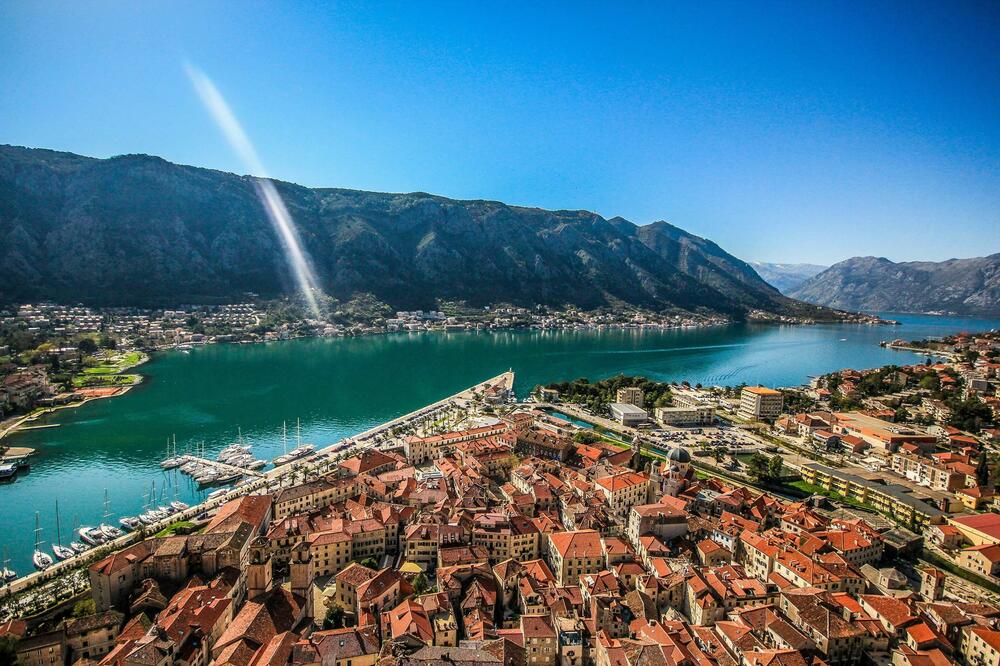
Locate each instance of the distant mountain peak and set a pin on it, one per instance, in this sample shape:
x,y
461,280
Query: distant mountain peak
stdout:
x,y
963,286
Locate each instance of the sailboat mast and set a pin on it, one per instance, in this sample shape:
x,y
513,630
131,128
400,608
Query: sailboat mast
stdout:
x,y
298,432
107,505
58,531
284,437
38,533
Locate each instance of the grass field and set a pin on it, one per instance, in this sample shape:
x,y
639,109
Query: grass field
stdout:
x,y
109,371
186,526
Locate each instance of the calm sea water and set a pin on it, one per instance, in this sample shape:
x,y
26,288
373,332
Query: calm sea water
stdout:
x,y
339,387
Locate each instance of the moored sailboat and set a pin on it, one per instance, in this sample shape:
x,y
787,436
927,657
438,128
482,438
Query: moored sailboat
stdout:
x,y
40,559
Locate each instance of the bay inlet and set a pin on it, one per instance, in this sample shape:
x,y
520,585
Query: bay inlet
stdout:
x,y
342,386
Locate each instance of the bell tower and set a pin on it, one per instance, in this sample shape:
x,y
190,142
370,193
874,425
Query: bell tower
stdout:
x,y
302,575
259,572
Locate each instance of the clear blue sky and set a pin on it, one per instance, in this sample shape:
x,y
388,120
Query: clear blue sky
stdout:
x,y
804,131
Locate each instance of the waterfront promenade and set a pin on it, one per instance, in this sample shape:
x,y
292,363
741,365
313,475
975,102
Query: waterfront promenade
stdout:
x,y
265,481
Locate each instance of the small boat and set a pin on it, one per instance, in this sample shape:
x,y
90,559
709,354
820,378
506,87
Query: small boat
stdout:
x,y
91,536
166,510
216,494
8,471
79,547
257,464
110,531
148,518
179,506
6,573
129,522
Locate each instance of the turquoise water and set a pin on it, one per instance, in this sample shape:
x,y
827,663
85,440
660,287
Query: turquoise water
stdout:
x,y
342,386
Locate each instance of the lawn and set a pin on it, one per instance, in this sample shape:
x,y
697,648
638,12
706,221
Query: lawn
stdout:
x,y
184,526
108,372
819,490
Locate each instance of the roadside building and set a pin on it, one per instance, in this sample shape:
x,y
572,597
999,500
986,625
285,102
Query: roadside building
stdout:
x,y
758,403
628,415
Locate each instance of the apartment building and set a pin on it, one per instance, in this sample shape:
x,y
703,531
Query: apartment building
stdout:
x,y
623,491
758,403
927,472
574,554
702,415
630,395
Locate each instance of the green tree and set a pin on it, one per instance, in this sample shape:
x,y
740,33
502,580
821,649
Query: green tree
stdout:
x,y
334,618
84,608
774,468
87,346
586,437
420,584
758,467
983,470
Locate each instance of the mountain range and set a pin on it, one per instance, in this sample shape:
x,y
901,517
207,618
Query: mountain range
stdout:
x,y
138,230
960,286
786,277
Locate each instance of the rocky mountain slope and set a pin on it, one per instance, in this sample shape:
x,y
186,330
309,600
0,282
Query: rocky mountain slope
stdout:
x,y
786,277
962,286
138,230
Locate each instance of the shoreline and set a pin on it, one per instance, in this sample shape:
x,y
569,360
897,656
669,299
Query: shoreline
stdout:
x,y
21,425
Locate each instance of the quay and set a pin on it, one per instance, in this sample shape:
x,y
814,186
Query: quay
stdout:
x,y
221,466
262,481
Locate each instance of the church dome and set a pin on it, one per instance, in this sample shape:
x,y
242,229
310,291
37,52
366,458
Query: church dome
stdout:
x,y
679,455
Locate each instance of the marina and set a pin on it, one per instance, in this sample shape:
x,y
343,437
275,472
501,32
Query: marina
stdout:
x,y
102,542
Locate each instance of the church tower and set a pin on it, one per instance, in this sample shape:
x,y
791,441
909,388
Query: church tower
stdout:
x,y
259,573
302,575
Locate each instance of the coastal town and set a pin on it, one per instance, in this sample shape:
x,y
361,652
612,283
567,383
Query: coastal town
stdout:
x,y
57,356
623,521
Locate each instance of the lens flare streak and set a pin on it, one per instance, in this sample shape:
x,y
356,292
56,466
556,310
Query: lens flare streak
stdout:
x,y
273,204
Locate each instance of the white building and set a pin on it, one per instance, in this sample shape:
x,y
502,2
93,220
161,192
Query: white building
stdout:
x,y
628,415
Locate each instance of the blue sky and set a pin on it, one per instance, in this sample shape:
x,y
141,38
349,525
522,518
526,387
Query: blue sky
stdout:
x,y
784,132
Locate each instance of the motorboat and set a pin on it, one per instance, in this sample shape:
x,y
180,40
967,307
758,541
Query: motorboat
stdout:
x,y
179,506
171,463
110,531
148,518
91,536
79,547
129,522
227,477
257,464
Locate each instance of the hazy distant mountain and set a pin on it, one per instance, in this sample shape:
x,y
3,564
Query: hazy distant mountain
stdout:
x,y
138,230
963,286
786,277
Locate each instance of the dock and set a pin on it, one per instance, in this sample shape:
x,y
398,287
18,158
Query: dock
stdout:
x,y
221,466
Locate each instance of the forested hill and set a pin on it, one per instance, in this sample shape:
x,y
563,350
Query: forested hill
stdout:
x,y
138,230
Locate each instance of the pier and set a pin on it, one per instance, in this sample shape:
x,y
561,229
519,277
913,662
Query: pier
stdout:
x,y
221,466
